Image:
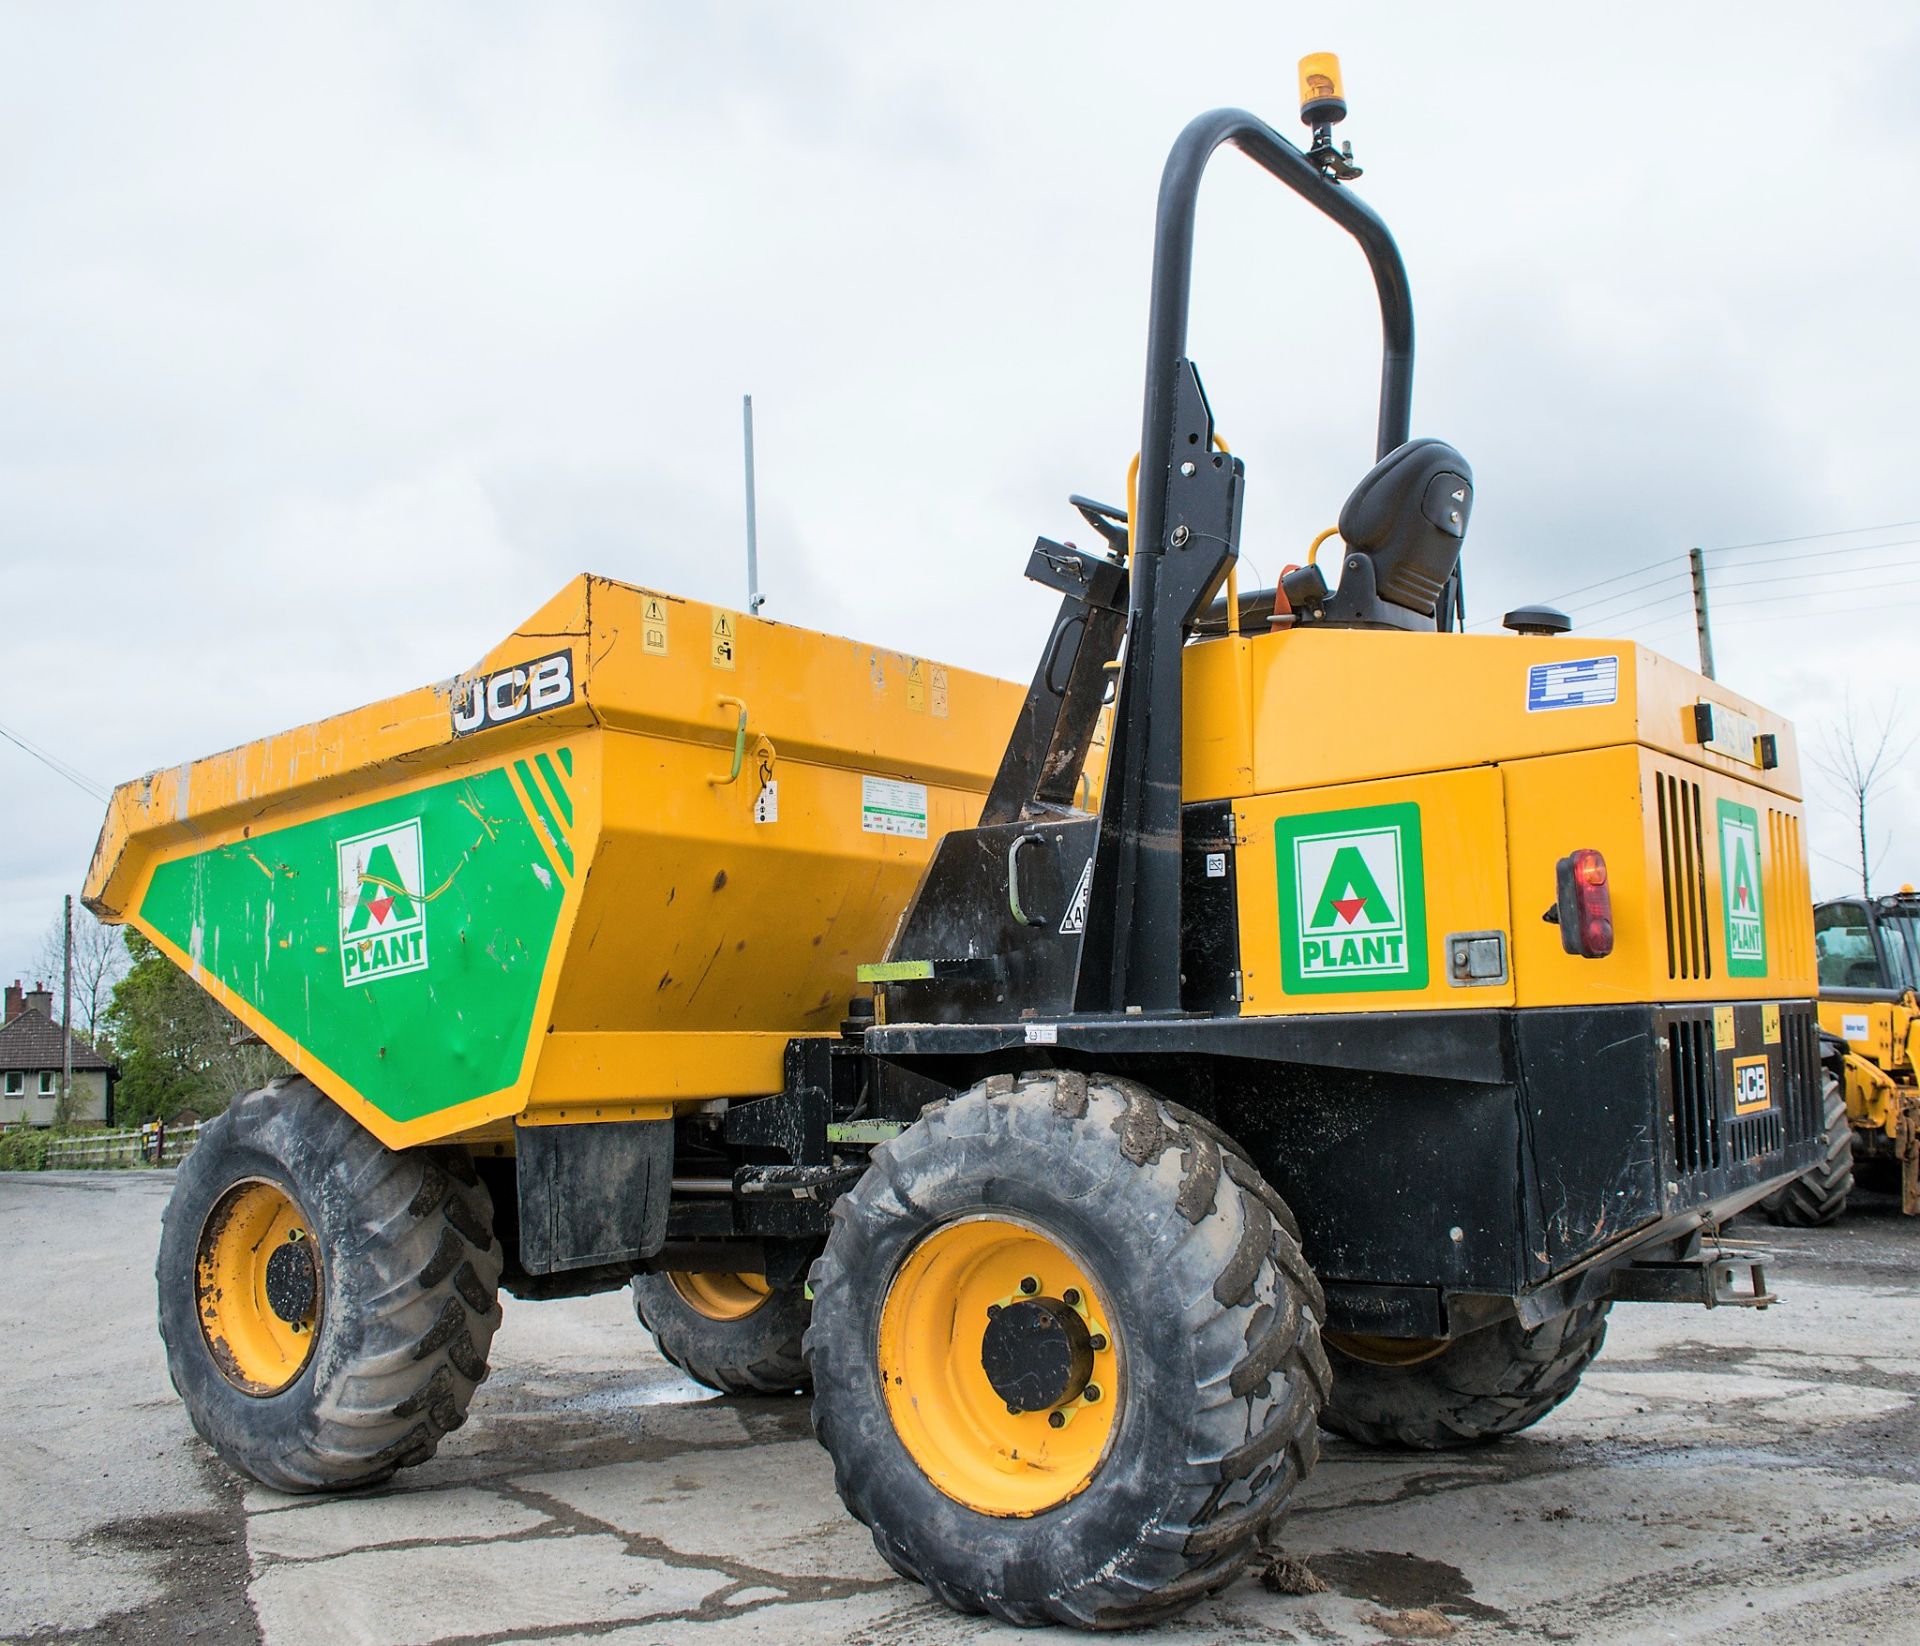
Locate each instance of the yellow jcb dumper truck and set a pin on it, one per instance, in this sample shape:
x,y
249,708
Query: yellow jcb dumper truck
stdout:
x,y
1868,958
1407,999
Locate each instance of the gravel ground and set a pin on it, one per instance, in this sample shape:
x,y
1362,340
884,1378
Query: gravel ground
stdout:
x,y
1723,1475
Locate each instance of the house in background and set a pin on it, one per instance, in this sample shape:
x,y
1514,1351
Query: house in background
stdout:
x,y
31,1061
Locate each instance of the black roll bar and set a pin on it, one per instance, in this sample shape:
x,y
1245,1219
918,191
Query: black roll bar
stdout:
x,y
1173,289
1130,959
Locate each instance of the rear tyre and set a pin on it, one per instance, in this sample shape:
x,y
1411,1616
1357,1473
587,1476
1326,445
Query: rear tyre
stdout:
x,y
731,1332
1819,1195
326,1302
1407,1394
1066,1354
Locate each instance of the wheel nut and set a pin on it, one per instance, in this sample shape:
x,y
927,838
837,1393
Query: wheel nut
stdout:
x,y
992,1310
1097,1342
1071,1297
1091,1394
1056,1420
1029,1285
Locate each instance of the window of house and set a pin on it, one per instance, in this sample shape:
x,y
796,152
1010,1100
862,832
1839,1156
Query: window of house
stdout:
x,y
46,1083
16,1083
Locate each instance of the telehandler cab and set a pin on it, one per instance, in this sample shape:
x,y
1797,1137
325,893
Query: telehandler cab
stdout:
x,y
1408,998
1867,953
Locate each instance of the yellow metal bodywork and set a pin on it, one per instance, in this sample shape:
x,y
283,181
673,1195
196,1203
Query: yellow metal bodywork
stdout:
x,y
693,940
946,1412
1301,721
255,1350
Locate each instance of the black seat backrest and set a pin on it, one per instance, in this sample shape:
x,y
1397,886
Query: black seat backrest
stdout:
x,y
1408,518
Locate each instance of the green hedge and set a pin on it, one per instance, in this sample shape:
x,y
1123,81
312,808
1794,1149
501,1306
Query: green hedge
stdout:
x,y
24,1149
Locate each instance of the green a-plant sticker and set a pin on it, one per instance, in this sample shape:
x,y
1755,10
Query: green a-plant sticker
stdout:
x,y
383,916
1353,900
1746,917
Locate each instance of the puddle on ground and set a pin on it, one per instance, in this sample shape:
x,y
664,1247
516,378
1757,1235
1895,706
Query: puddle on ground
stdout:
x,y
1403,1582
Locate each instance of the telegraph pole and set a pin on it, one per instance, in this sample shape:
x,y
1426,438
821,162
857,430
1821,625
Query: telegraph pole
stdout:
x,y
65,1106
755,599
1702,626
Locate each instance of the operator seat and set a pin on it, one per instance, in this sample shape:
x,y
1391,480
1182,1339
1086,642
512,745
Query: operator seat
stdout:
x,y
1403,527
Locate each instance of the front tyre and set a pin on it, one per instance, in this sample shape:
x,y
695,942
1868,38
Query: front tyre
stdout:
x,y
732,1332
326,1302
1065,1353
1819,1195
1439,1395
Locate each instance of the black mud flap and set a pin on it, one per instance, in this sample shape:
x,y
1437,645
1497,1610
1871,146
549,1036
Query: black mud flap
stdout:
x,y
593,1194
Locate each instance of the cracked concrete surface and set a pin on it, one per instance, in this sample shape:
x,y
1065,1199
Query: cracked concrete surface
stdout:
x,y
1721,1476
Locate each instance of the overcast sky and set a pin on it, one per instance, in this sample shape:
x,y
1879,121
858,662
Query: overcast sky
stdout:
x,y
334,339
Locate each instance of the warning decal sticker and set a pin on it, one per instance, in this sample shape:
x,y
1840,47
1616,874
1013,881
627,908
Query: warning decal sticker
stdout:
x,y
1353,900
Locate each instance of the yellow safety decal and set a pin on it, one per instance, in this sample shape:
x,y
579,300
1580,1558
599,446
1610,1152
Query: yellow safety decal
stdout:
x,y
722,640
1770,1025
653,626
1723,1028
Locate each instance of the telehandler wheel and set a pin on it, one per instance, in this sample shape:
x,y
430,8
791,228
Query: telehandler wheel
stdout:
x,y
326,1302
1066,1355
731,1332
1436,1396
1819,1194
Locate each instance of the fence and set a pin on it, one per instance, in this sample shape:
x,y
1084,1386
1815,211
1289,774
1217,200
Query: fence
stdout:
x,y
94,1151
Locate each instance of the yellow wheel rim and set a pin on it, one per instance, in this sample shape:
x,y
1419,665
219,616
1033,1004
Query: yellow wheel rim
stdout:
x,y
257,1280
934,1354
1387,1351
721,1296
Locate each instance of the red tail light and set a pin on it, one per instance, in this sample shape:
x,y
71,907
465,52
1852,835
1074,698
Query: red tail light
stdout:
x,y
1584,904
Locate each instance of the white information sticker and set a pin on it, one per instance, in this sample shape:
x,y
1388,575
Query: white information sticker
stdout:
x,y
766,804
888,806
1581,683
1043,1034
1854,1027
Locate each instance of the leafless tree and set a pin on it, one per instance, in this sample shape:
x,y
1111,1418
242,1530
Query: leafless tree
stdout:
x,y
1859,756
99,961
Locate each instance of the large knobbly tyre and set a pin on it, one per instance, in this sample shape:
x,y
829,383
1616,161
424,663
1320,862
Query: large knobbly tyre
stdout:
x,y
1819,1194
1066,1353
1435,1397
326,1302
731,1332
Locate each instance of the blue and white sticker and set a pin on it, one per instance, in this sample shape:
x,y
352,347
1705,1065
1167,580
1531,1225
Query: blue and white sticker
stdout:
x,y
1587,683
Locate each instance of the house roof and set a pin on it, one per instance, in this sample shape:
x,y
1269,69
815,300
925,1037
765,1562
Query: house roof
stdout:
x,y
31,1040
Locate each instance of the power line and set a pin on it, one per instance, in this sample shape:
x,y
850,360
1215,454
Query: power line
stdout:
x,y
1845,571
1824,555
1621,616
1802,598
59,767
1811,537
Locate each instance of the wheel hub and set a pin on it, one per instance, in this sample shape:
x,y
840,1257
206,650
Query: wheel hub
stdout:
x,y
292,1280
1037,1353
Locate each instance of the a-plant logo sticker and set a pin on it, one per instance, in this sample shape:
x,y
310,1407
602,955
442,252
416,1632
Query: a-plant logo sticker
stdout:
x,y
1353,900
383,916
1746,920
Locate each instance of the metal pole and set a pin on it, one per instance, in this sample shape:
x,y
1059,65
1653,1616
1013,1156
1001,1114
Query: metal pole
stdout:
x,y
1705,629
66,1019
755,599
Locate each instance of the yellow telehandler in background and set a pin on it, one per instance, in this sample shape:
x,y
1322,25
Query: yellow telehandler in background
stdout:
x,y
1868,955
